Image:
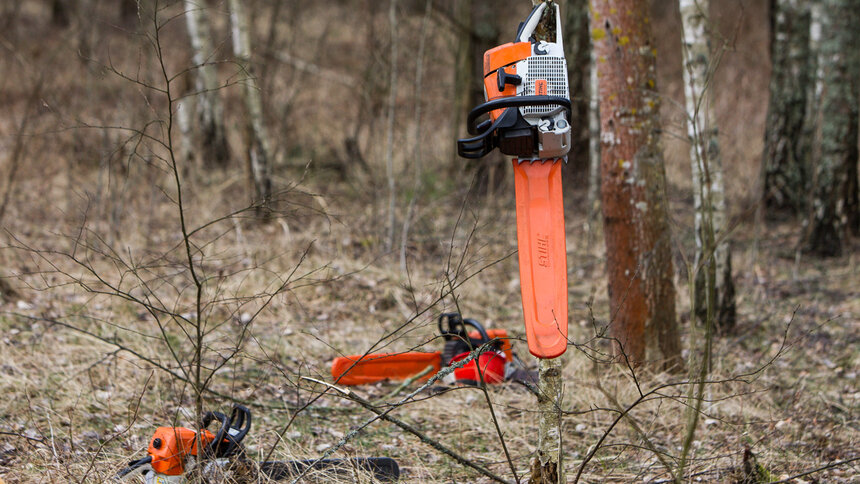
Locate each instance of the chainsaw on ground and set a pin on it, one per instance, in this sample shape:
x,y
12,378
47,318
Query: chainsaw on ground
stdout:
x,y
175,452
528,108
496,365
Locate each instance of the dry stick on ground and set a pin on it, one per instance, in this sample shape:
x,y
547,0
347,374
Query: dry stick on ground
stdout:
x,y
438,376
819,469
409,428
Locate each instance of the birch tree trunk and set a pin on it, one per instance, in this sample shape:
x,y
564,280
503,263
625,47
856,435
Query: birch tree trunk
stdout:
x,y
546,467
213,142
258,142
636,228
389,151
712,244
834,209
786,163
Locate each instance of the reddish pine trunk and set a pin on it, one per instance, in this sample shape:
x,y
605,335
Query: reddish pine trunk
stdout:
x,y
638,250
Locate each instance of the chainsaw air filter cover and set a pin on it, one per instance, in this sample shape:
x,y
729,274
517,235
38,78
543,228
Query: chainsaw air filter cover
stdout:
x,y
528,101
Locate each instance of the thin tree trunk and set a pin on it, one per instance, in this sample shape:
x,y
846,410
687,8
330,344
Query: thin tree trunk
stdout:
x,y
593,197
786,165
128,11
417,165
834,209
481,27
389,151
577,46
61,12
636,228
546,467
258,144
209,110
706,164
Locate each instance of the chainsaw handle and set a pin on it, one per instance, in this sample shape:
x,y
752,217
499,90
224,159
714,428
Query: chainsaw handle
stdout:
x,y
513,102
457,327
213,447
479,327
133,466
484,143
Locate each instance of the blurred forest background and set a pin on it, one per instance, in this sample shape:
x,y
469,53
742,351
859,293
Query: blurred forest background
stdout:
x,y
256,195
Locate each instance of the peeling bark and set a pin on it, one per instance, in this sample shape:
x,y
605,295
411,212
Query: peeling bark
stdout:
x,y
210,113
258,139
636,228
712,244
834,209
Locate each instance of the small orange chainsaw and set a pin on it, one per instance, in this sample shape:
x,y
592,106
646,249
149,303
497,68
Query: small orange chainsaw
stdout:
x,y
496,365
173,453
528,107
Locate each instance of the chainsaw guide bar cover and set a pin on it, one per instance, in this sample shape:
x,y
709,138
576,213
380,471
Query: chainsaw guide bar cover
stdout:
x,y
543,256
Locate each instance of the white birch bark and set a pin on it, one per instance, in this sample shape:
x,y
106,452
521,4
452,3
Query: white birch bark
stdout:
x,y
258,144
547,468
209,110
706,164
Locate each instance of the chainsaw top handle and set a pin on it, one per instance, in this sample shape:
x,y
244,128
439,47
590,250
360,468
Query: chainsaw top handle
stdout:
x,y
457,327
233,430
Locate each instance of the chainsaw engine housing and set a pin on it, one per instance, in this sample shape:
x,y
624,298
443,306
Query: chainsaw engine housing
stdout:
x,y
528,100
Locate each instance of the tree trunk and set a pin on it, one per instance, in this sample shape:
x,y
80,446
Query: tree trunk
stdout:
x,y
546,467
213,140
593,197
389,150
128,11
834,209
712,244
577,46
786,148
636,228
480,33
61,12
258,140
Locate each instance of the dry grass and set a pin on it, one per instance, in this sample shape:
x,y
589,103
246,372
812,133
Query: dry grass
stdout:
x,y
75,409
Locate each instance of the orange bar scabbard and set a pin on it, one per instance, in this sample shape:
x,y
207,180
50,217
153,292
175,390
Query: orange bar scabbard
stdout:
x,y
543,255
383,366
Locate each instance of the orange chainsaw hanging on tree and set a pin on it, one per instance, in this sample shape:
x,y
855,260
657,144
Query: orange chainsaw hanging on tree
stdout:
x,y
528,105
